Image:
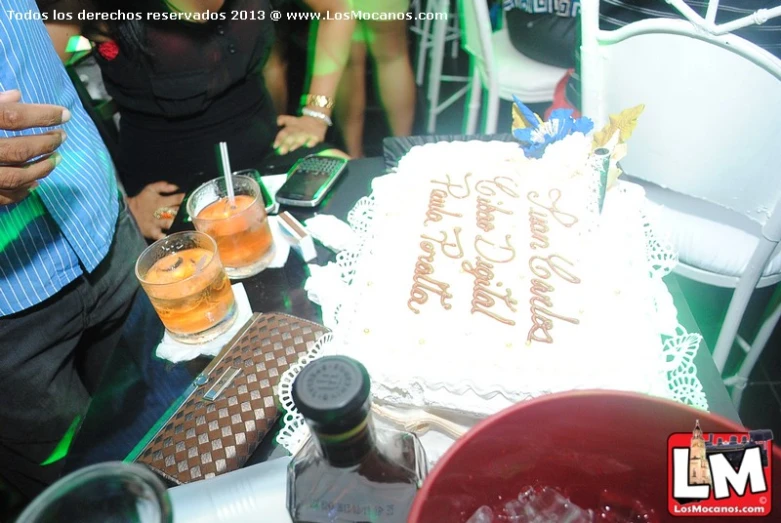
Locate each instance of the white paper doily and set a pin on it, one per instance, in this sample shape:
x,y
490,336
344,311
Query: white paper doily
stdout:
x,y
677,346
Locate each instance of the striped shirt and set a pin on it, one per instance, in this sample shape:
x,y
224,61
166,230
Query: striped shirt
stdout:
x,y
65,227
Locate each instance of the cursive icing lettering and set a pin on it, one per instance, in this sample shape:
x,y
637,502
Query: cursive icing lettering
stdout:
x,y
445,245
564,218
424,281
488,187
541,302
545,267
542,322
483,296
436,207
538,225
485,213
463,189
542,266
509,248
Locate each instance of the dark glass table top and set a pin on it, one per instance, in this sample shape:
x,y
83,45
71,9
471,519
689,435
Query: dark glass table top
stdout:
x,y
282,290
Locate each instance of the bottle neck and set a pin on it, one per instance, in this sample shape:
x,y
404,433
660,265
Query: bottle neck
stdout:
x,y
349,447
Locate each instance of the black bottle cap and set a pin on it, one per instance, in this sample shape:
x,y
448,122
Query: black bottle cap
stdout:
x,y
333,392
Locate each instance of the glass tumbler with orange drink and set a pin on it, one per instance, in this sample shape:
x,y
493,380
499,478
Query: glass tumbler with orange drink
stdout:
x,y
183,276
240,228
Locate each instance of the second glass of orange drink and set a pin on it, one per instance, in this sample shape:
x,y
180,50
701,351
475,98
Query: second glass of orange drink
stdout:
x,y
185,281
240,227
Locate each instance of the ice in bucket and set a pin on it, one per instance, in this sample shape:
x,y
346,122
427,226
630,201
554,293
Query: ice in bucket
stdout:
x,y
548,505
183,276
482,515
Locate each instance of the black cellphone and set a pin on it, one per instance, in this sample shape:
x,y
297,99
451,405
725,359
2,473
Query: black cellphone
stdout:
x,y
309,180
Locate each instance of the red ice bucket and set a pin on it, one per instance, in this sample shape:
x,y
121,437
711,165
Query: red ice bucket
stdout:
x,y
583,444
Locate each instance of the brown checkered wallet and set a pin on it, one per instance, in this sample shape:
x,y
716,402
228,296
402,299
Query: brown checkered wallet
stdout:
x,y
232,403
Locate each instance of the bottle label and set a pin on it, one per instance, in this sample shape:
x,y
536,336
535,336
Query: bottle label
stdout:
x,y
378,504
354,512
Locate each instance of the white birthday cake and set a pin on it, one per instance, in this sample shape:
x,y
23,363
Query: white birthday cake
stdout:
x,y
490,272
484,277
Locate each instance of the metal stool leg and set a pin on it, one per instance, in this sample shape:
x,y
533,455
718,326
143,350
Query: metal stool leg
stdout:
x,y
435,67
456,30
491,113
739,302
418,23
475,91
423,46
755,351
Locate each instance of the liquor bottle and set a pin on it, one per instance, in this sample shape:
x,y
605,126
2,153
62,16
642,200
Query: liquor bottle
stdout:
x,y
348,470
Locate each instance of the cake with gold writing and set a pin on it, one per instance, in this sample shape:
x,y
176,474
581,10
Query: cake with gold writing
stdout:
x,y
489,273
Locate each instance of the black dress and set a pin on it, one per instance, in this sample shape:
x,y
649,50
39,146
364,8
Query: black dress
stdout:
x,y
199,84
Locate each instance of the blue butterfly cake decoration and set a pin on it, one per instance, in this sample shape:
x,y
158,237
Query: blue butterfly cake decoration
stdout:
x,y
535,135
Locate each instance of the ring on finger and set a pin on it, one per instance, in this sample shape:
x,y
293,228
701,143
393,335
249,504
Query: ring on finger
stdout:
x,y
165,213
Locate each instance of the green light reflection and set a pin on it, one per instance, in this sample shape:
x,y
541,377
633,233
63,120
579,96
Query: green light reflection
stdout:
x,y
61,450
13,222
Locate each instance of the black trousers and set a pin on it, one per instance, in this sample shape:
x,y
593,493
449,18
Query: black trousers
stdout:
x,y
52,359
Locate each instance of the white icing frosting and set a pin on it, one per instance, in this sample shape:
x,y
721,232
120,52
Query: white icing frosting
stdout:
x,y
611,322
465,314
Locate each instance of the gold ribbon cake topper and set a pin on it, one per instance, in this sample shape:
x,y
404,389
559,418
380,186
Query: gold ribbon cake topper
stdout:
x,y
623,122
614,136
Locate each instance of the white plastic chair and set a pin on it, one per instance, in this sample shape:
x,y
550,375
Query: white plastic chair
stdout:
x,y
499,68
707,148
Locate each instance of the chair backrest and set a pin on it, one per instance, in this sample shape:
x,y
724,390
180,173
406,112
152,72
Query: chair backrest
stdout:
x,y
476,38
712,123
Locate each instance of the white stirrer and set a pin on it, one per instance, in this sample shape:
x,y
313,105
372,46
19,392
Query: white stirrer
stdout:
x,y
226,171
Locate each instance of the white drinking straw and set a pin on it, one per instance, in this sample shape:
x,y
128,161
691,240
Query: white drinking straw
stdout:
x,y
226,171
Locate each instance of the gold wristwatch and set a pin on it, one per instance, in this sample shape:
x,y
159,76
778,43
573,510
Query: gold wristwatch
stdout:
x,y
317,100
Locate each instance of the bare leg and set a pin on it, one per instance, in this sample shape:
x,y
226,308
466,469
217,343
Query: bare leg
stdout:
x,y
275,77
395,82
351,100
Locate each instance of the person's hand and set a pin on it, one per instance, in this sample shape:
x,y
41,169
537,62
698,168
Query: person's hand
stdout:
x,y
19,175
154,208
299,131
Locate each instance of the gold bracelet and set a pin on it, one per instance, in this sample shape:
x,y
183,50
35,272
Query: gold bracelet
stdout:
x,y
317,100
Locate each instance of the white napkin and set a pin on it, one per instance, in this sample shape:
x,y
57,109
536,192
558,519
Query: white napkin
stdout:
x,y
280,244
322,281
176,351
326,282
332,232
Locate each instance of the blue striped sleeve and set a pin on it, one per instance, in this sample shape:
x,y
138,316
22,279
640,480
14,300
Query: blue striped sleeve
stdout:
x,y
67,225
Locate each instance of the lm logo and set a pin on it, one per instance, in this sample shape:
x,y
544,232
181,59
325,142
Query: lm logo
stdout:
x,y
719,474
